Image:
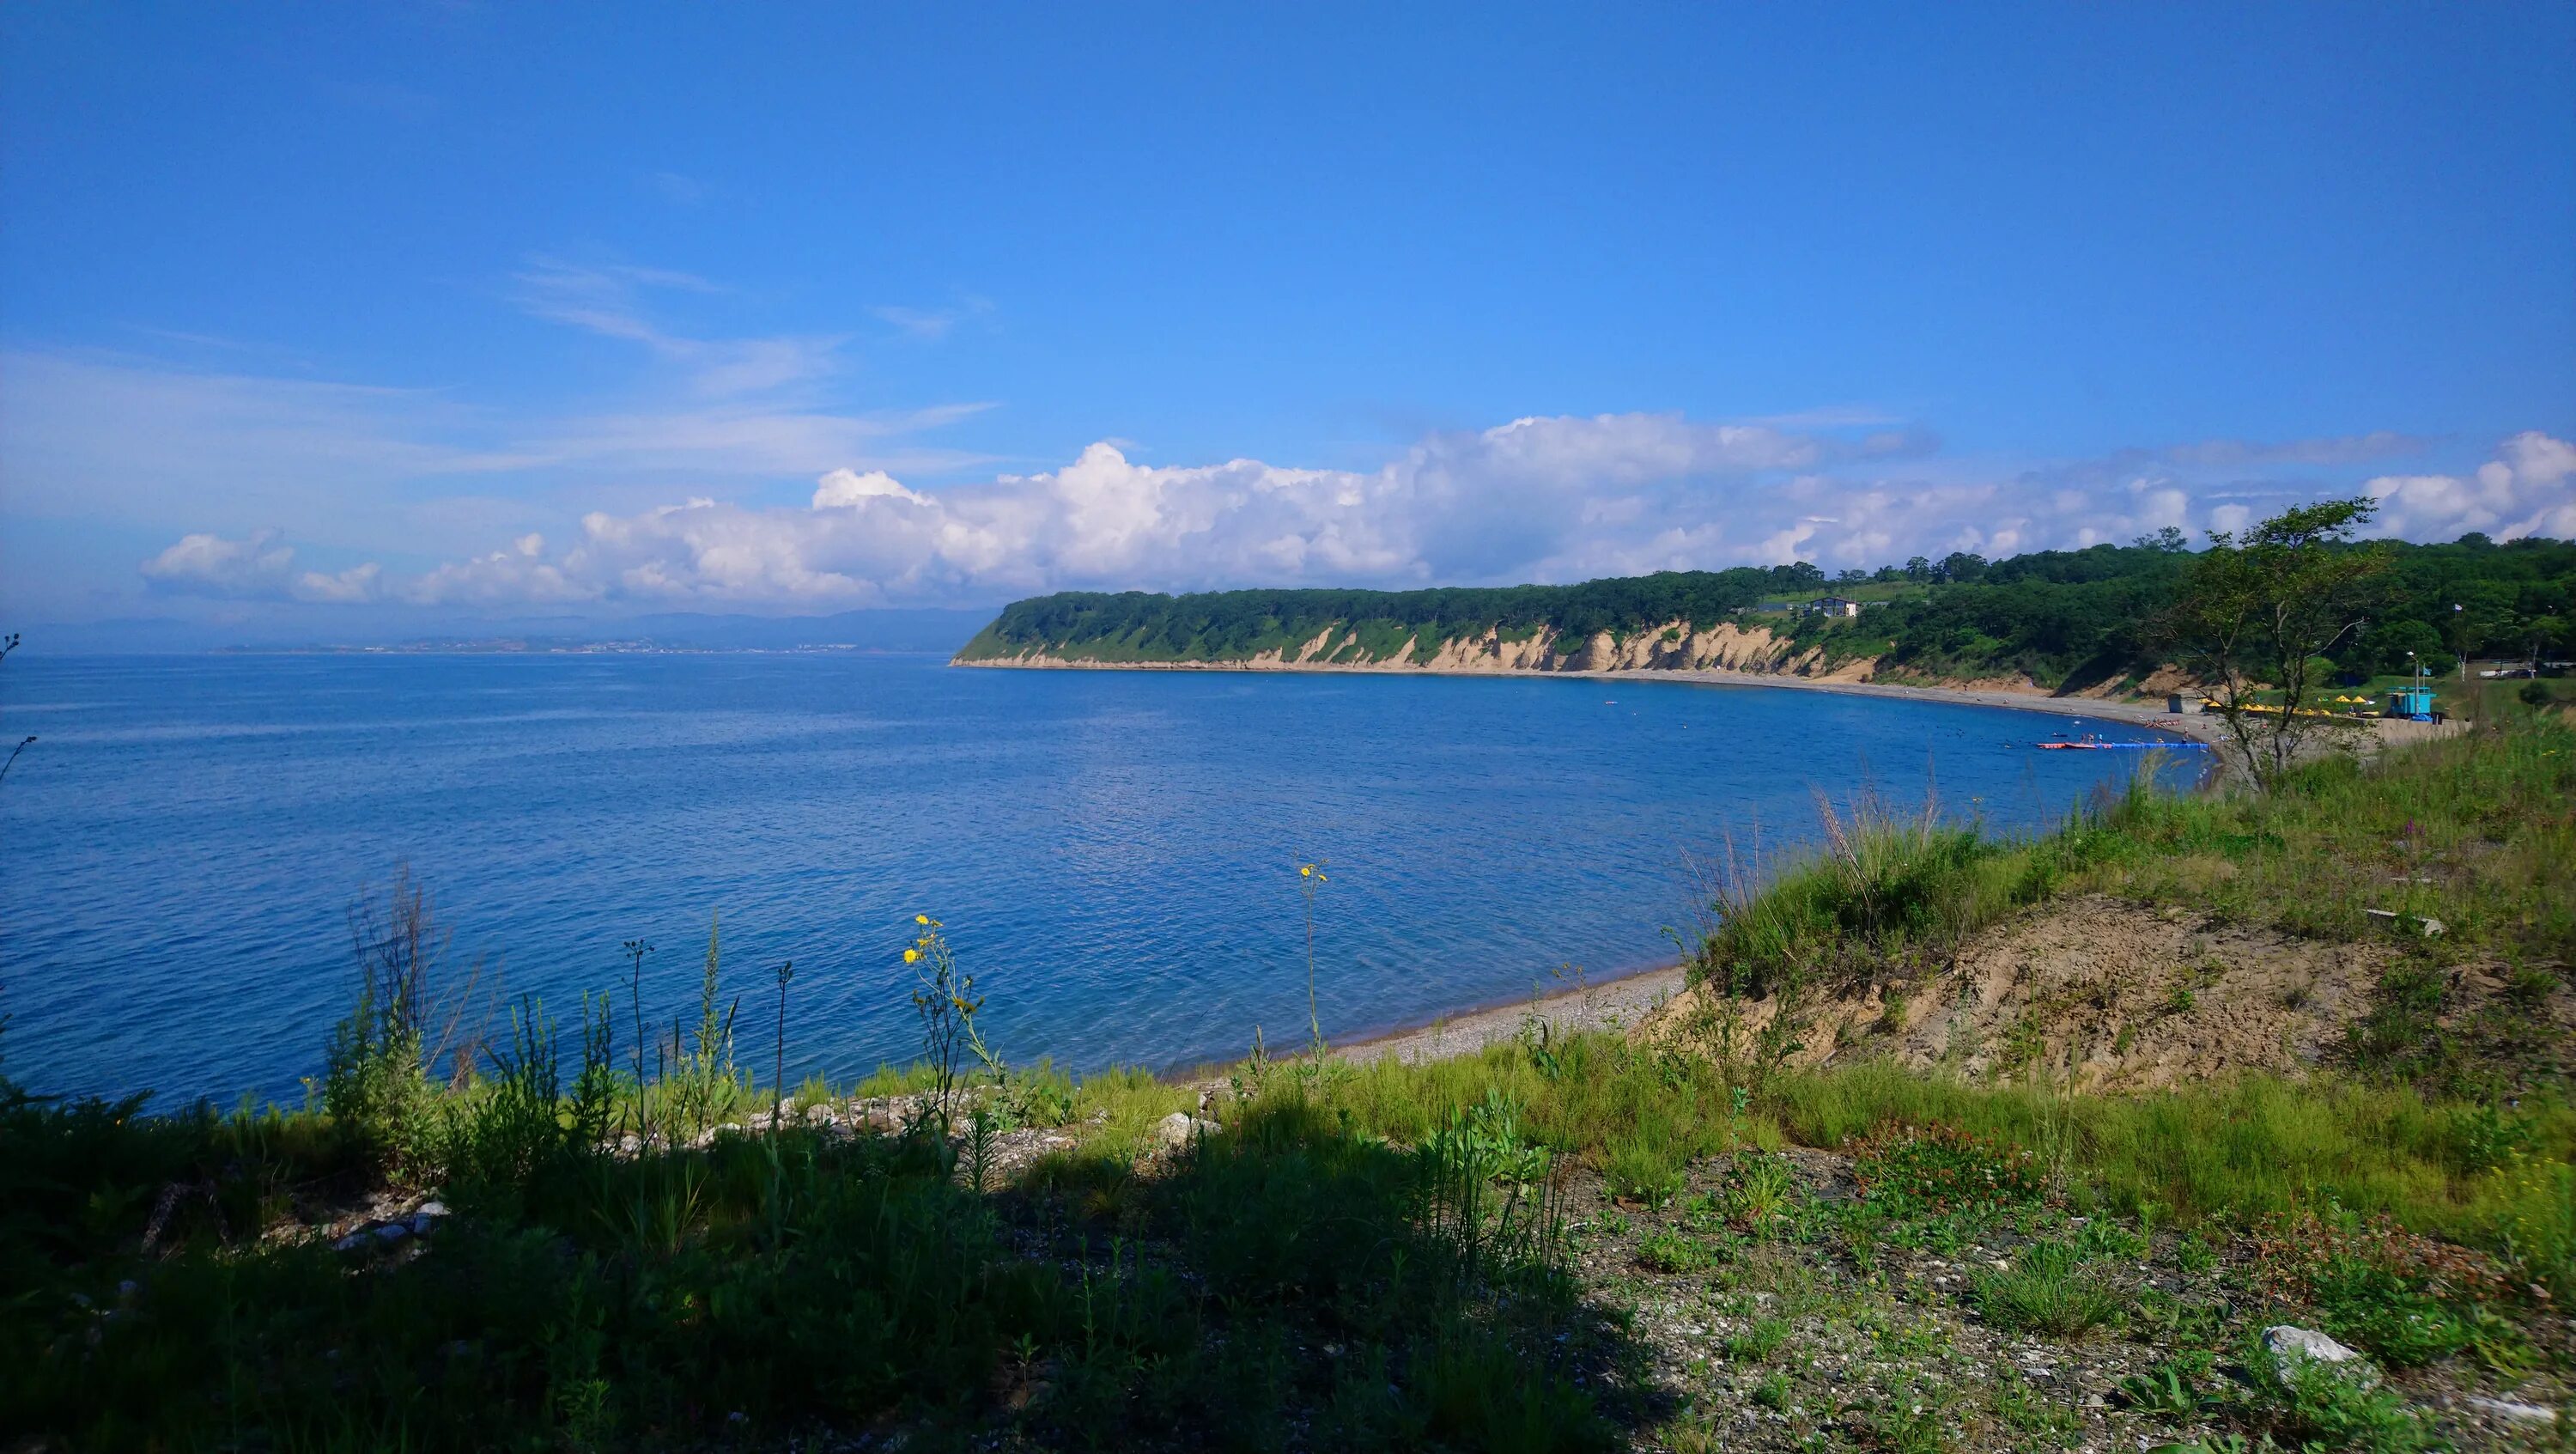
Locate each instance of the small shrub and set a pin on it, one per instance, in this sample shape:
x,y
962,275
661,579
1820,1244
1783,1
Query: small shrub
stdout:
x,y
2385,1312
2049,1289
2397,1295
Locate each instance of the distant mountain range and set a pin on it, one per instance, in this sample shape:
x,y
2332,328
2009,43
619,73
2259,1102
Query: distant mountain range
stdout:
x,y
885,630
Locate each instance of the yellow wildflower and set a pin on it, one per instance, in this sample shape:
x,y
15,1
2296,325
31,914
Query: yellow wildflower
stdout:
x,y
921,918
912,956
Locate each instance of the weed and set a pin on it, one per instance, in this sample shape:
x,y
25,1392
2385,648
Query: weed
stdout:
x,y
1935,1167
1914,1419
1757,1343
944,998
2048,1289
1639,1168
2171,1389
2319,1405
376,1085
1763,1188
1668,1251
2029,1411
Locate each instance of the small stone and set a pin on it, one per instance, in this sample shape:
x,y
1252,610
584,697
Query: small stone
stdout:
x,y
392,1232
2291,1346
431,1209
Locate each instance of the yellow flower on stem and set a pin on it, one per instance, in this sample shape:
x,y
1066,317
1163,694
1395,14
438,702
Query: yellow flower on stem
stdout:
x,y
912,956
921,918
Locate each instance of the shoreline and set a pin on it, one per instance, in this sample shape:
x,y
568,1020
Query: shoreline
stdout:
x,y
1619,1000
2193,726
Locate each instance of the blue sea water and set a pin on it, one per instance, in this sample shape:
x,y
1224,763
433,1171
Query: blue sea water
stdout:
x,y
1115,853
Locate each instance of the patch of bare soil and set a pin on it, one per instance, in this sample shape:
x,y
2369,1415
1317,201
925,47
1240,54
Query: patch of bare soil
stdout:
x,y
2127,997
2119,996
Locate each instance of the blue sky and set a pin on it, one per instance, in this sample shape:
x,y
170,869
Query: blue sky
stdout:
x,y
352,313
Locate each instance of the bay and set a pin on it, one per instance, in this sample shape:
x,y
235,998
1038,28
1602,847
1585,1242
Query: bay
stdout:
x,y
1115,853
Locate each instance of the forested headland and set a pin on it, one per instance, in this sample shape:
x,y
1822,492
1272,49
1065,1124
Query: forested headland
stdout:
x,y
2065,619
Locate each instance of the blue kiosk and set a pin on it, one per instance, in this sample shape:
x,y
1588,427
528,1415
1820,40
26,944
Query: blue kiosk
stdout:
x,y
2415,704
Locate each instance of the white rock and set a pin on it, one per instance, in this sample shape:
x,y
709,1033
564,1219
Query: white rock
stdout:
x,y
2290,1346
2505,1408
1174,1129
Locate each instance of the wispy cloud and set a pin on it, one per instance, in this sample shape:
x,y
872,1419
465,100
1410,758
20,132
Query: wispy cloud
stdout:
x,y
609,300
931,325
676,189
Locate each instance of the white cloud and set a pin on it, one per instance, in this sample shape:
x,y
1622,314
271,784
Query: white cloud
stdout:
x,y
209,565
930,325
513,577
2529,488
608,300
843,489
357,583
258,568
1535,499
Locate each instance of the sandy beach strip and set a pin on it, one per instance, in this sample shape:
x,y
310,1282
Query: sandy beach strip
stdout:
x,y
1606,1004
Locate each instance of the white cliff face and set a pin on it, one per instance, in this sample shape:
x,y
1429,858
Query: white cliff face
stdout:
x,y
1675,646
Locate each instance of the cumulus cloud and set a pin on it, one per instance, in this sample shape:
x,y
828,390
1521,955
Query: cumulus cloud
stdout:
x,y
517,576
1558,498
209,565
2529,488
259,568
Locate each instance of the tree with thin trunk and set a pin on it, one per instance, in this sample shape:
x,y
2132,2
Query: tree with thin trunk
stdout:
x,y
2255,613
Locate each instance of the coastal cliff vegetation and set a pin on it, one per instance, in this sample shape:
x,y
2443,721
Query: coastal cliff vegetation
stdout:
x,y
2061,620
596,1234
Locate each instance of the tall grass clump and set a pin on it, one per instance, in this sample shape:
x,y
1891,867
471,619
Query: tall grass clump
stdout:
x,y
1886,893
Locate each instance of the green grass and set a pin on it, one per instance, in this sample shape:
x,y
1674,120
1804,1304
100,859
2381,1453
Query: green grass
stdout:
x,y
763,1286
2049,1289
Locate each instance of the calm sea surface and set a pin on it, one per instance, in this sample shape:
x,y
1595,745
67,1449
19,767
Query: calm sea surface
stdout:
x,y
1115,853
